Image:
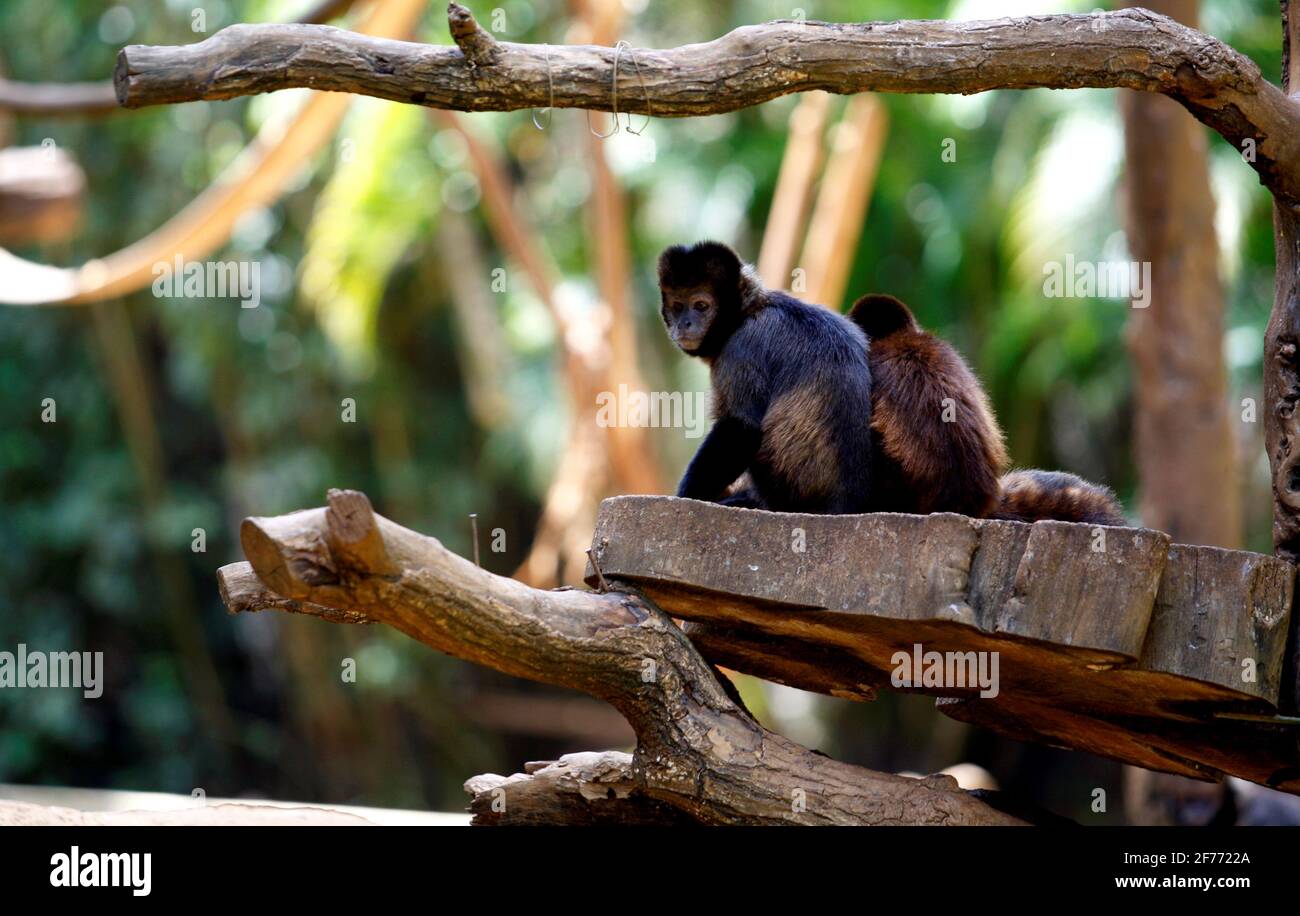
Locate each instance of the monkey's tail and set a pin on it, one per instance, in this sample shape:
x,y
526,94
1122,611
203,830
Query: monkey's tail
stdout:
x,y
1031,496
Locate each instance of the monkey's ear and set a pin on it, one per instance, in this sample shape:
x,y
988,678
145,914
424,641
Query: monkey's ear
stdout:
x,y
880,315
719,259
673,265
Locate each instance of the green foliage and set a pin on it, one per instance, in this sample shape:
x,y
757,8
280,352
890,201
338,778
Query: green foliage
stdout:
x,y
356,304
378,201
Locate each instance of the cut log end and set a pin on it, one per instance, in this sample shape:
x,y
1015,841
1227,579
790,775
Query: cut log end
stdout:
x,y
122,77
289,553
353,532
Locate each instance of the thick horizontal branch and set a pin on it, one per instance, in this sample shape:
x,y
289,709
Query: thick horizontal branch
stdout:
x,y
1132,49
698,752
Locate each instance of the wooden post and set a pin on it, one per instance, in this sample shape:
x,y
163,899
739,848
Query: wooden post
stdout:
x,y
1281,381
1282,369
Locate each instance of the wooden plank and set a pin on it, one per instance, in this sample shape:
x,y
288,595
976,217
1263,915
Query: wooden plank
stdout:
x,y
878,584
793,662
1043,723
1221,617
1084,585
1264,749
900,566
1106,639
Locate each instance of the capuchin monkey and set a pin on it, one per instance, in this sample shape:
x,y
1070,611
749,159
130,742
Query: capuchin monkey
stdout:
x,y
817,413
791,389
936,444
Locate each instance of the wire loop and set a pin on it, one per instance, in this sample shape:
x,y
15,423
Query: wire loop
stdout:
x,y
550,102
645,94
613,96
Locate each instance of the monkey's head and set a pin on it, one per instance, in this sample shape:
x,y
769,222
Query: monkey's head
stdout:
x,y
700,295
882,316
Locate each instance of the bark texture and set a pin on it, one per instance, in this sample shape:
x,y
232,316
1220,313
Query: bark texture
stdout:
x,y
1132,49
698,752
1282,365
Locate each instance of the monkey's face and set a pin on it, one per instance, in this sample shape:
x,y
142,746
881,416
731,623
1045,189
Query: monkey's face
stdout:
x,y
689,314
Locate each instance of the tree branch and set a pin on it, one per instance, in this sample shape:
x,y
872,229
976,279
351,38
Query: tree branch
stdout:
x,y
242,593
1132,48
475,42
585,789
697,751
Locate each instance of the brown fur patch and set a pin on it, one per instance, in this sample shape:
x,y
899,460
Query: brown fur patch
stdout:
x,y
797,444
950,465
1032,495
936,466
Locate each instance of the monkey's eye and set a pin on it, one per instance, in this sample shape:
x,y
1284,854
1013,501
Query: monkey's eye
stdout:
x,y
701,305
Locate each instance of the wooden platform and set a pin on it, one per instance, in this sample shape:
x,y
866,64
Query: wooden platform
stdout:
x,y
1109,640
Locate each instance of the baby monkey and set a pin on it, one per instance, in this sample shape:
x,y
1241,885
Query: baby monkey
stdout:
x,y
937,446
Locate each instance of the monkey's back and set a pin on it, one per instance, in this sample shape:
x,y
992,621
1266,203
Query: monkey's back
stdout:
x,y
938,446
801,374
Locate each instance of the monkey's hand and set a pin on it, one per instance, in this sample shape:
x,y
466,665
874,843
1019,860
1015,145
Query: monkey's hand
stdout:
x,y
744,498
724,455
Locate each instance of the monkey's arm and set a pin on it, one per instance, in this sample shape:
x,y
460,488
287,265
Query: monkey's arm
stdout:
x,y
725,454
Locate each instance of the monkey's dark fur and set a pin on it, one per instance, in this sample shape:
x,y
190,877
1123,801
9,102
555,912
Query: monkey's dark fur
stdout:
x,y
791,388
937,446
